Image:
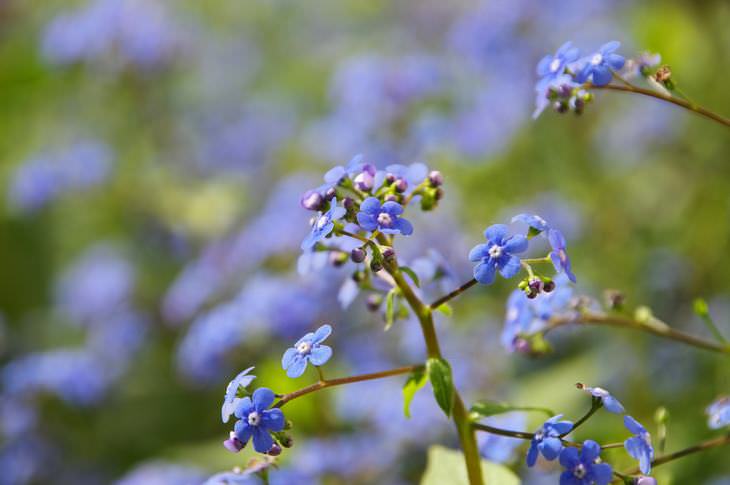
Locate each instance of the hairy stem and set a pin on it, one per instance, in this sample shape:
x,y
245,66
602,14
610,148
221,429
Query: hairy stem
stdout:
x,y
322,384
670,99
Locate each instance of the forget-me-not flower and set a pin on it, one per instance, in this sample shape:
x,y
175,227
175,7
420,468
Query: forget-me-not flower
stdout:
x,y
609,402
308,349
598,66
384,218
497,254
323,225
533,221
719,413
256,420
639,446
584,467
550,67
546,440
231,400
558,255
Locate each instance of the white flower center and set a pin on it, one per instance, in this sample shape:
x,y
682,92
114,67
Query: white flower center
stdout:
x,y
555,65
385,220
596,59
254,418
495,251
304,347
322,221
580,471
539,435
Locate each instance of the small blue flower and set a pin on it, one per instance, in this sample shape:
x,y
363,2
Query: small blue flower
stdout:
x,y
719,413
558,255
257,421
550,67
546,440
384,218
533,221
584,467
323,225
230,402
639,446
609,402
307,349
598,66
497,254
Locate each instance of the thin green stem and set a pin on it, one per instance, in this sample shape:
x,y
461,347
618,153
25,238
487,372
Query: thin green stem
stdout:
x,y
654,326
596,405
354,236
670,99
546,259
322,384
453,294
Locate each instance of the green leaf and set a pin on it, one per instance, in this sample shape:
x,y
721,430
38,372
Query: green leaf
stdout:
x,y
446,309
484,409
412,274
389,309
446,466
415,381
439,373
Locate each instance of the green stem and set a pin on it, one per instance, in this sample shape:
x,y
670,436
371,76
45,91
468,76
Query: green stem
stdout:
x,y
453,294
322,384
670,99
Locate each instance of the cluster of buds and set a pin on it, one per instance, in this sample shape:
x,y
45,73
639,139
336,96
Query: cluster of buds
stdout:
x,y
432,191
534,285
568,97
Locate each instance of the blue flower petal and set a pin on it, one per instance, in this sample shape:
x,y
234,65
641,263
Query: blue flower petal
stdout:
x,y
569,457
567,478
367,221
320,354
371,205
297,367
511,267
633,425
273,419
243,431
550,448
392,208
288,358
321,334
590,451
609,47
532,454
404,227
516,244
334,174
602,473
601,75
478,252
262,398
484,272
496,233
262,440
245,406
613,405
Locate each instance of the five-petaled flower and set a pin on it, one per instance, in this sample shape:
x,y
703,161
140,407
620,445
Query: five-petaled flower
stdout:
x,y
719,413
384,218
323,225
497,254
308,349
231,400
256,420
546,440
550,67
598,67
639,446
558,255
609,402
584,467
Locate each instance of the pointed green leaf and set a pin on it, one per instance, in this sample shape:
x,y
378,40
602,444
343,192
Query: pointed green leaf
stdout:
x,y
439,373
415,381
412,274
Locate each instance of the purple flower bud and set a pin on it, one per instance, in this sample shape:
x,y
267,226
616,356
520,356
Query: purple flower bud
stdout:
x,y
373,302
521,345
348,203
435,178
391,198
548,286
389,178
375,266
388,253
311,200
364,181
357,255
401,185
275,450
330,194
233,444
535,285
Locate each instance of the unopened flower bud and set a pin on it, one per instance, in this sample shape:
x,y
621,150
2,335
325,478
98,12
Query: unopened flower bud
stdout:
x,y
435,178
535,285
373,302
614,299
548,286
348,203
338,258
663,75
521,345
358,255
388,254
330,194
364,181
375,266
358,276
389,178
401,185
233,444
391,198
531,294
312,200
275,450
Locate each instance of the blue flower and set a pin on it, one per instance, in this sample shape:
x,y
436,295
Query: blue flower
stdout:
x,y
639,446
335,175
719,413
257,421
609,402
584,467
308,348
323,225
558,255
533,221
231,401
497,254
384,218
553,89
598,66
547,441
550,67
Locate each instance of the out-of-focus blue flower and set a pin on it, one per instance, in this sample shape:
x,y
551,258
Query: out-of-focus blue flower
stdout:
x,y
497,254
532,220
547,439
384,218
413,174
323,225
584,467
308,349
609,402
598,67
257,421
718,413
500,449
639,446
161,473
551,67
558,255
231,401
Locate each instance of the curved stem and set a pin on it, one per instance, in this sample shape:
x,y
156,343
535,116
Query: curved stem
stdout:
x,y
322,384
503,432
670,99
654,326
453,294
460,415
596,405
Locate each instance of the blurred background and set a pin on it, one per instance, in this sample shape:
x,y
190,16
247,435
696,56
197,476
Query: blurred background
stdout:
x,y
152,158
